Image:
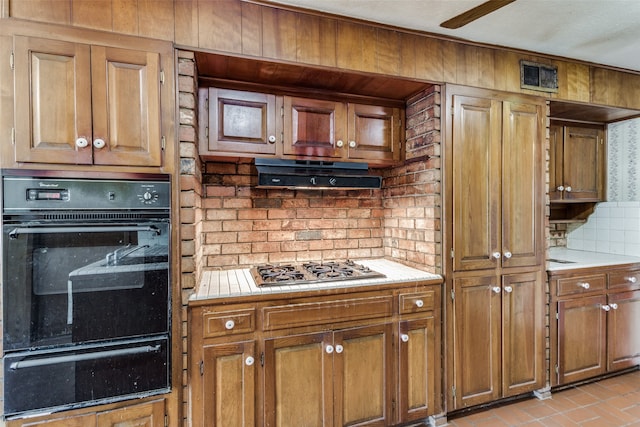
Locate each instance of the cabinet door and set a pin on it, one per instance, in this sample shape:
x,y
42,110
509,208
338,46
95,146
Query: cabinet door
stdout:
x,y
149,414
52,101
581,338
522,185
477,344
522,334
583,164
227,397
374,133
314,128
298,379
622,330
240,122
363,383
476,182
417,370
126,107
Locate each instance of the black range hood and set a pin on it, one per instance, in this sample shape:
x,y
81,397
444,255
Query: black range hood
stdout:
x,y
317,175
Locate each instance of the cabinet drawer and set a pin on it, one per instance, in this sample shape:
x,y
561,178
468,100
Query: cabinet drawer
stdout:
x,y
216,324
582,284
417,302
324,312
624,279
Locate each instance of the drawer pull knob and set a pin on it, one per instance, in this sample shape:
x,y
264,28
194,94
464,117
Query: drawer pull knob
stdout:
x,y
508,289
606,307
508,255
496,255
560,188
419,303
230,324
632,279
99,143
272,139
352,144
404,337
339,349
614,306
82,142
584,285
329,349
568,189
249,361
339,143
496,289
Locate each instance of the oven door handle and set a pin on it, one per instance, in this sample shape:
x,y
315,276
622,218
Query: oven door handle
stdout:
x,y
82,357
103,229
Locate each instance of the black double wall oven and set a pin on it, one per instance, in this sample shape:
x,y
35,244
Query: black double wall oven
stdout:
x,y
86,295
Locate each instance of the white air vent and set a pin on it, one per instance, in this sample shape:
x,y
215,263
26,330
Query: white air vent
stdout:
x,y
538,77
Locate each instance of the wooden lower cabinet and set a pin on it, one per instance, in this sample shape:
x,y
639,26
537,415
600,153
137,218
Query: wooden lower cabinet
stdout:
x,y
341,378
498,337
357,359
148,414
595,318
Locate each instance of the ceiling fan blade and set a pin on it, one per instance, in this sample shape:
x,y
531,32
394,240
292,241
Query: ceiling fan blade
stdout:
x,y
475,13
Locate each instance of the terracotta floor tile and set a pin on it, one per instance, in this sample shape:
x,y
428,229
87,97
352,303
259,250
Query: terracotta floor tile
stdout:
x,y
614,402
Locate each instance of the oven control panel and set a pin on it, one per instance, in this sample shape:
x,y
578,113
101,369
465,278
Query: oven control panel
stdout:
x,y
49,193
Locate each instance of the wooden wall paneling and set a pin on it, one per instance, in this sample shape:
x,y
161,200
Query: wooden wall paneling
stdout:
x,y
573,81
429,59
356,46
156,19
125,16
611,87
187,28
449,61
251,29
218,24
387,48
316,40
507,71
279,34
408,54
54,11
95,14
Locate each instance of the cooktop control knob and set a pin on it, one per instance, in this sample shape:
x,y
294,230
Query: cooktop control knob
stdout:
x,y
333,181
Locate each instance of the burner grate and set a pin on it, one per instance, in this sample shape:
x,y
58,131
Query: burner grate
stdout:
x,y
311,272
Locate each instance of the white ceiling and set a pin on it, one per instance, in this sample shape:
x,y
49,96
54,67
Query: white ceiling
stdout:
x,y
604,32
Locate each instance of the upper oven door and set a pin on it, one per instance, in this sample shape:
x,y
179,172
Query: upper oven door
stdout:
x,y
74,282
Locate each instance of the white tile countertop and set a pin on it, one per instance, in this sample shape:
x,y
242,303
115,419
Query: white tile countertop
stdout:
x,y
568,259
240,282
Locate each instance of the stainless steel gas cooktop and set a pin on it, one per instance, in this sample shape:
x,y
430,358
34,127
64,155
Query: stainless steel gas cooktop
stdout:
x,y
311,272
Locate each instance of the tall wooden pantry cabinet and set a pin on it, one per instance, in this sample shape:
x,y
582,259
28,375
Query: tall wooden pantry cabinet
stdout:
x,y
494,214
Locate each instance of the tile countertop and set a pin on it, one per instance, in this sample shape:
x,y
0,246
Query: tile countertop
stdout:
x,y
570,259
239,282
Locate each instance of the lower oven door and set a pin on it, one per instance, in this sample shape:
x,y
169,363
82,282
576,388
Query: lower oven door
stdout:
x,y
54,380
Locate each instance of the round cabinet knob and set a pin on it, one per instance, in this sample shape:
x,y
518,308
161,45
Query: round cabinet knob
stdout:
x,y
339,349
272,139
508,255
352,144
496,255
99,143
329,349
614,306
632,279
560,188
340,143
606,307
419,303
568,189
584,285
404,337
496,289
82,142
230,324
508,289
249,361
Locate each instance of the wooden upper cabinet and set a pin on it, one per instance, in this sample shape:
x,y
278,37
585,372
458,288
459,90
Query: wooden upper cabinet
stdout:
x,y
577,163
314,128
86,104
497,183
238,122
374,133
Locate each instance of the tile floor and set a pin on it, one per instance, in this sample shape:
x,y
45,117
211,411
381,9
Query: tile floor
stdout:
x,y
612,402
